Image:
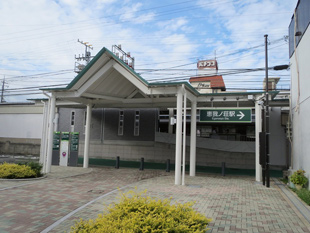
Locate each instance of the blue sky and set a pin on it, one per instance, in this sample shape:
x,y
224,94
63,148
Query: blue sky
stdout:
x,y
39,38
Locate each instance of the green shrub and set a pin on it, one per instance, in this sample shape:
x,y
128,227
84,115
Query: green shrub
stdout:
x,y
299,177
36,167
138,213
15,171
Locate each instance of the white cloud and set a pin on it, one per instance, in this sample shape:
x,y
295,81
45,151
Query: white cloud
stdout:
x,y
131,12
174,24
41,36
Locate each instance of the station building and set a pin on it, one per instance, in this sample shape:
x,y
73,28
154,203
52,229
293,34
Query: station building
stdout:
x,y
118,113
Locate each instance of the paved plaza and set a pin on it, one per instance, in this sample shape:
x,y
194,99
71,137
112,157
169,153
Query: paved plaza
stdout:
x,y
235,203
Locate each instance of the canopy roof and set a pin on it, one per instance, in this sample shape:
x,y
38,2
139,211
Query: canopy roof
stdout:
x,y
109,82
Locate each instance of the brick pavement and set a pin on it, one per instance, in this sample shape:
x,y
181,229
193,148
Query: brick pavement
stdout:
x,y
236,204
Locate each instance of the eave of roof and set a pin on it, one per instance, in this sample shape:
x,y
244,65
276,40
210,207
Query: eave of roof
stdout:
x,y
186,84
99,54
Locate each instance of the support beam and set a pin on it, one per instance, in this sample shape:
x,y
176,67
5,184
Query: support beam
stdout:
x,y
192,161
87,136
258,129
178,143
184,138
52,105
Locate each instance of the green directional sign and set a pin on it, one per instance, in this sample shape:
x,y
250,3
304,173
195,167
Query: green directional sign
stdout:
x,y
56,140
237,115
74,145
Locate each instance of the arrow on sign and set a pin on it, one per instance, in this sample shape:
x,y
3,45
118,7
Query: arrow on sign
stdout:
x,y
241,115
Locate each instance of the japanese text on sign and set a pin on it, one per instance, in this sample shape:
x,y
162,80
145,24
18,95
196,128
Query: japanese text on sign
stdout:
x,y
226,115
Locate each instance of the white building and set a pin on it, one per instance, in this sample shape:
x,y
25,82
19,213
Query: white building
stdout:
x,y
299,45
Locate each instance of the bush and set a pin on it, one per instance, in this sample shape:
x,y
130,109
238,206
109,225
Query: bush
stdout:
x,y
15,171
138,213
36,167
299,178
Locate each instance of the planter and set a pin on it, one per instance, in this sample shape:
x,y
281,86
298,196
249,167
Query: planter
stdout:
x,y
298,186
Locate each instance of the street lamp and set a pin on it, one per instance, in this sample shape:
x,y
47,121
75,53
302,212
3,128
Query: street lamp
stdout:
x,y
266,173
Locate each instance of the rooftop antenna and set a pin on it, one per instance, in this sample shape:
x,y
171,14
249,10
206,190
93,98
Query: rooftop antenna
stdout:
x,y
80,66
125,57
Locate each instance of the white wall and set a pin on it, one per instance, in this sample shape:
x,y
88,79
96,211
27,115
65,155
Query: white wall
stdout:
x,y
21,125
21,121
301,112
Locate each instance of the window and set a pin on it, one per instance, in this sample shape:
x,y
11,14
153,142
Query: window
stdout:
x,y
72,120
137,123
121,123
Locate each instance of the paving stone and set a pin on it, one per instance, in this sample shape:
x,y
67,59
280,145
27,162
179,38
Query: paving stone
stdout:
x,y
235,203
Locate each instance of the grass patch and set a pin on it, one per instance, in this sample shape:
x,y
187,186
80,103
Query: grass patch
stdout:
x,y
303,194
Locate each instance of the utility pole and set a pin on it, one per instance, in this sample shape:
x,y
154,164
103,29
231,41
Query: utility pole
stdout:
x,y
266,125
2,90
78,67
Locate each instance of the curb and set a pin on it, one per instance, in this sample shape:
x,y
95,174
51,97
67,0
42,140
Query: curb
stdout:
x,y
27,179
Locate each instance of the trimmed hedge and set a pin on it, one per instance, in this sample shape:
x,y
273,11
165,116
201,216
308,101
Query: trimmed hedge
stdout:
x,y
15,171
36,167
138,213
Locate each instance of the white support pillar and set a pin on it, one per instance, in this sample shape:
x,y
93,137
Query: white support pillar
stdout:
x,y
258,129
44,135
184,139
178,143
87,136
192,160
170,127
50,133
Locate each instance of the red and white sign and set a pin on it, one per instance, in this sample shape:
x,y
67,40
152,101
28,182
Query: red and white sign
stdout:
x,y
207,64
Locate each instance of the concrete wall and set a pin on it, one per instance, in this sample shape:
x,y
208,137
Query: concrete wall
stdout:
x,y
148,123
159,152
20,146
300,103
64,124
104,124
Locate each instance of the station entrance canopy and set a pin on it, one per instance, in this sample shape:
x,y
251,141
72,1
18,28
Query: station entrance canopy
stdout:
x,y
107,82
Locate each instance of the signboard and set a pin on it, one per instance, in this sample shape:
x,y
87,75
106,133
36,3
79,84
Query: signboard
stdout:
x,y
74,145
56,147
236,115
74,149
56,140
207,64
